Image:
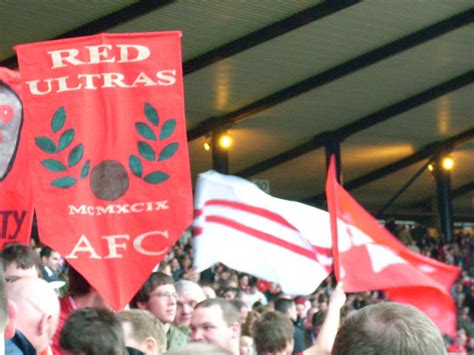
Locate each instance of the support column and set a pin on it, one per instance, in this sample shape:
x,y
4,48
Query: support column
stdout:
x,y
333,147
220,159
444,200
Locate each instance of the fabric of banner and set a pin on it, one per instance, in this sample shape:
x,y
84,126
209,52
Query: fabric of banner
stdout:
x,y
367,257
241,226
16,207
112,182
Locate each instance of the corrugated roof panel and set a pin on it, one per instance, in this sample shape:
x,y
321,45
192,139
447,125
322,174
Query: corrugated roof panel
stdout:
x,y
369,90
209,24
298,55
31,20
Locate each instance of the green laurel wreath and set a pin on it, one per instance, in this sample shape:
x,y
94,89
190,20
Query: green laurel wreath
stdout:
x,y
74,157
145,149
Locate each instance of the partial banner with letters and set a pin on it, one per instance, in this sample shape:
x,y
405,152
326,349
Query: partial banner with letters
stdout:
x,y
112,184
16,206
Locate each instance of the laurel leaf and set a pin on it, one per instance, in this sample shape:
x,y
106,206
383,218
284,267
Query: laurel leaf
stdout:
x,y
168,128
156,177
58,119
151,114
64,182
45,144
168,151
53,165
65,139
85,169
146,151
135,165
145,131
75,155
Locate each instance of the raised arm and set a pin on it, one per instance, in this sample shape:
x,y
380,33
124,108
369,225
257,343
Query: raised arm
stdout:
x,y
327,334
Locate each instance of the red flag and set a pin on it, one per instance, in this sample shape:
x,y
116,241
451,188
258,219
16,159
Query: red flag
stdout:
x,y
367,257
112,187
16,207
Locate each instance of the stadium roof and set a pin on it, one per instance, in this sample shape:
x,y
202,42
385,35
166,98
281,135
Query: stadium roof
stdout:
x,y
391,79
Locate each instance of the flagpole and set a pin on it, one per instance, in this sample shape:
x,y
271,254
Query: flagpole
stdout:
x,y
332,209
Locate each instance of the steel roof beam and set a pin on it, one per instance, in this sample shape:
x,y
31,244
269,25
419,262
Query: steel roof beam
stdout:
x,y
455,193
337,72
424,153
104,23
266,33
319,140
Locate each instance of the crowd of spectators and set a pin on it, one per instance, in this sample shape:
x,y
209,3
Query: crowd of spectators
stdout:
x,y
165,314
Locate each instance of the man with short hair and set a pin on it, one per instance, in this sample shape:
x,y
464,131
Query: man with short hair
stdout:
x,y
287,307
51,261
189,295
20,261
7,314
38,313
158,296
80,295
216,321
143,332
388,328
92,331
243,309
273,334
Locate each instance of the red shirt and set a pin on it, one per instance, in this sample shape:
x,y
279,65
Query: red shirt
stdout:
x,y
67,306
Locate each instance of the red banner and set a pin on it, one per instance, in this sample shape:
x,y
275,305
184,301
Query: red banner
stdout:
x,y
16,209
112,189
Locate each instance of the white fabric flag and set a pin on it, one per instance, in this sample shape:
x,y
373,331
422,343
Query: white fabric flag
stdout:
x,y
248,230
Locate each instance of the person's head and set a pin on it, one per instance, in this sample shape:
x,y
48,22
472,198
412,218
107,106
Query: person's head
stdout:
x,y
246,345
243,281
142,331
50,258
92,331
208,291
252,285
301,307
157,295
230,293
287,307
273,333
38,310
175,265
189,295
83,293
247,327
317,321
216,321
20,261
388,328
243,309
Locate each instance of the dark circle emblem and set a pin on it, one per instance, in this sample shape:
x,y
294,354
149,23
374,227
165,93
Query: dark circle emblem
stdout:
x,y
109,180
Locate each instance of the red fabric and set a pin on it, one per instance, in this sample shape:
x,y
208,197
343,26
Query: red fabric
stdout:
x,y
457,349
66,308
263,285
16,207
367,257
110,158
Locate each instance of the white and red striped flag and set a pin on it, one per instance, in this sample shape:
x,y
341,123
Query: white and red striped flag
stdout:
x,y
248,230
